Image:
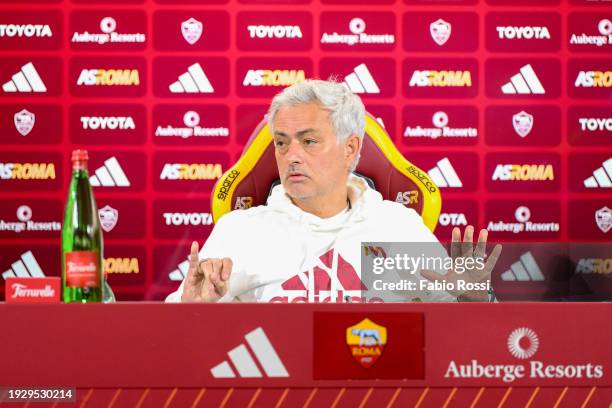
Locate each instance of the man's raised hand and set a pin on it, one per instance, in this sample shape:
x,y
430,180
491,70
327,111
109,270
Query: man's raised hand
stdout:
x,y
207,280
474,275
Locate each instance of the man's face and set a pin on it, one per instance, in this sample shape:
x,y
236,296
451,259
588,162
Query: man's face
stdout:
x,y
311,162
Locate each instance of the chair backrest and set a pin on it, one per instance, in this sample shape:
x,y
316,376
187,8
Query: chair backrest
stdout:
x,y
248,182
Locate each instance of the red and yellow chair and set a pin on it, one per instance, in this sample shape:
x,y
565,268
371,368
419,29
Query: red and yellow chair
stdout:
x,y
248,182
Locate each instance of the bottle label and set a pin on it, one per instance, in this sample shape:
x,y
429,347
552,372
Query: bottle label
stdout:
x,y
82,269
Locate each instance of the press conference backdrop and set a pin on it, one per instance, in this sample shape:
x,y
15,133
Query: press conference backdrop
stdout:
x,y
505,103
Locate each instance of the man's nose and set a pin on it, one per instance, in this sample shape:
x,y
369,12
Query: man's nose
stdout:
x,y
295,152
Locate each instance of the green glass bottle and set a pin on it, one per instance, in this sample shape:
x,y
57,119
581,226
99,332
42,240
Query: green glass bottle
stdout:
x,y
82,275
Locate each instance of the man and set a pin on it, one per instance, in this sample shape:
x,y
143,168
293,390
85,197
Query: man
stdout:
x,y
305,244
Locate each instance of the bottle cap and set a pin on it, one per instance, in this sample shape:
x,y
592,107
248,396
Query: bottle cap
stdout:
x,y
80,155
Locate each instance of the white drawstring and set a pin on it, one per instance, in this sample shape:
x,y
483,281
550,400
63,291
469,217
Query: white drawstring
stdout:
x,y
334,276
311,288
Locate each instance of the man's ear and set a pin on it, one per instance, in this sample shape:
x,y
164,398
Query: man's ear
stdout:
x,y
352,146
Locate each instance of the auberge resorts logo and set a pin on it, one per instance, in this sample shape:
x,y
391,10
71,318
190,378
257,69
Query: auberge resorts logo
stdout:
x,y
523,343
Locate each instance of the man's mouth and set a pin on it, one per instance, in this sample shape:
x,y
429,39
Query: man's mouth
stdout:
x,y
295,176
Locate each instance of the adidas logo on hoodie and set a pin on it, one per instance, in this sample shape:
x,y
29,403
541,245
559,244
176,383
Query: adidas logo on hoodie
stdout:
x,y
315,285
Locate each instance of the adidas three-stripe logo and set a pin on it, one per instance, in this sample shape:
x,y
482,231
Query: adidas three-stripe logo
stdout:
x,y
444,175
25,267
192,81
526,269
179,273
26,80
361,81
245,365
110,175
524,83
602,177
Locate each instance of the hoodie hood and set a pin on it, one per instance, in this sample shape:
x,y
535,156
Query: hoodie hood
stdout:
x,y
360,194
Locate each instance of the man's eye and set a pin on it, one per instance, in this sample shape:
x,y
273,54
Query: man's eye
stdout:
x,y
309,141
279,143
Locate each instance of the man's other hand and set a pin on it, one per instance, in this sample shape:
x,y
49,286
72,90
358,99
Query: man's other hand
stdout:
x,y
207,280
473,275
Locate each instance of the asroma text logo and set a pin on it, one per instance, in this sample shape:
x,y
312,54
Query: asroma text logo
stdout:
x,y
441,79
109,77
193,171
121,265
523,172
273,77
594,79
27,171
594,265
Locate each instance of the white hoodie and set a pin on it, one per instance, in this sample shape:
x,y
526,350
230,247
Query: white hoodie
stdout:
x,y
283,254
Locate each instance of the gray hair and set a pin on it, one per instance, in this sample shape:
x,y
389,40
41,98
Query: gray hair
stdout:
x,y
347,113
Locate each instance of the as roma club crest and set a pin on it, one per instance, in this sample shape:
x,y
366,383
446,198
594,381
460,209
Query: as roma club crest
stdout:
x,y
522,123
603,218
191,30
440,31
24,122
108,217
366,341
